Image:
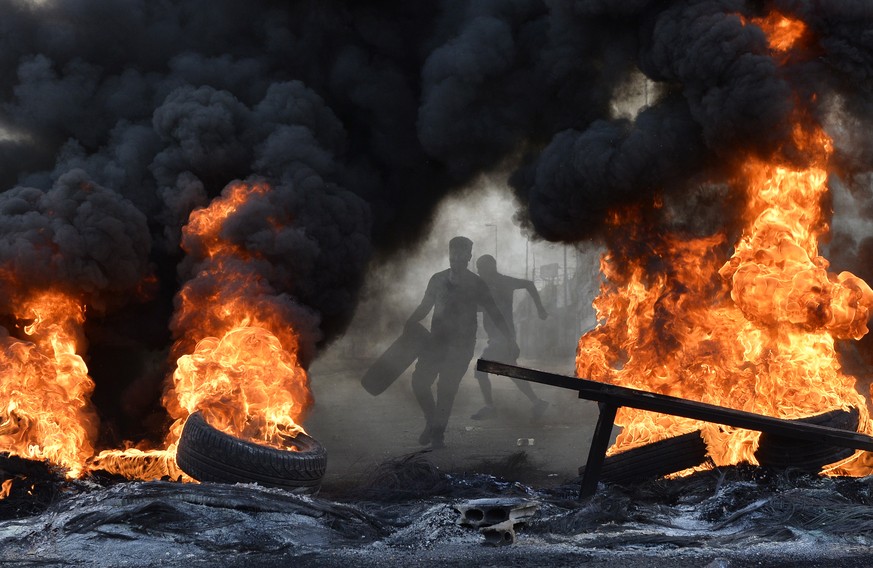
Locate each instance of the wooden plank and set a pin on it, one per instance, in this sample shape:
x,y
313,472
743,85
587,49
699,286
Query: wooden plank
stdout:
x,y
654,402
597,451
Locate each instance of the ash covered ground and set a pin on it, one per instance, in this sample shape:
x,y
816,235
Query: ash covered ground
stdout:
x,y
387,502
739,516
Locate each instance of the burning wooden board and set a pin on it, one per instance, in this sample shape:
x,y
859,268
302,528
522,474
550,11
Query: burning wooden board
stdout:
x,y
613,397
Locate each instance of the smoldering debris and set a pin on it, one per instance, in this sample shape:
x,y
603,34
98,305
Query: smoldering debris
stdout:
x,y
722,507
740,514
414,476
30,486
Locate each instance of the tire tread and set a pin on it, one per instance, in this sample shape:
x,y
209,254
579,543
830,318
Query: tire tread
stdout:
x,y
207,454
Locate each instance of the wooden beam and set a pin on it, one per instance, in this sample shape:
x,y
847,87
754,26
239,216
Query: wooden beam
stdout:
x,y
597,451
622,396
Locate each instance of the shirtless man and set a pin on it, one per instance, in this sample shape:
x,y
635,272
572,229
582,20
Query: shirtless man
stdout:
x,y
455,296
502,289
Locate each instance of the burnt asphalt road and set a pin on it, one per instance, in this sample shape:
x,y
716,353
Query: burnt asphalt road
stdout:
x,y
361,431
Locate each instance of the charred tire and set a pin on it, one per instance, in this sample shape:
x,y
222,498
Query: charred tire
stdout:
x,y
654,460
207,454
782,452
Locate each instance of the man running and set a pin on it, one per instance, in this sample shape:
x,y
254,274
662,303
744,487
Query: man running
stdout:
x,y
502,289
455,295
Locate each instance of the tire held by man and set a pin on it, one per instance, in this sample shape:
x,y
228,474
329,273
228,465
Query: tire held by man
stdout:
x,y
207,454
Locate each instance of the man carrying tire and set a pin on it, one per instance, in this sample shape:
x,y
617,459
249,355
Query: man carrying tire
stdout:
x,y
455,296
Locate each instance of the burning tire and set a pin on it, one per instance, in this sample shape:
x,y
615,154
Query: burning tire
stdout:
x,y
781,452
207,454
654,460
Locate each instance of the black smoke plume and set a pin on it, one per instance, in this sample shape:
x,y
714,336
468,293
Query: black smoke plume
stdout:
x,y
363,117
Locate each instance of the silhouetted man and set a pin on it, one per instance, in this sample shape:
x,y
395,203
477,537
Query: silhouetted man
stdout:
x,y
455,295
502,289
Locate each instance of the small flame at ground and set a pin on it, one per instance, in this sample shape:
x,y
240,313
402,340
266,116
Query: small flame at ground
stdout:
x,y
6,489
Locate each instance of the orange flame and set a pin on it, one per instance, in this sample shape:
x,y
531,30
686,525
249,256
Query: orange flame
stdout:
x,y
760,340
243,372
45,387
237,362
782,32
237,359
754,333
5,489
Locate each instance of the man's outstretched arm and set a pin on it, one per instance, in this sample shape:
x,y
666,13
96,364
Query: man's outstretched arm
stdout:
x,y
535,296
530,287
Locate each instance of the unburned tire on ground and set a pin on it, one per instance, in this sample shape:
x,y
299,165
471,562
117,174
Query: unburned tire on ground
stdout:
x,y
207,454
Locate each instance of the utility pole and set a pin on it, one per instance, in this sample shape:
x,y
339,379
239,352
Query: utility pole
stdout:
x,y
494,226
566,283
526,261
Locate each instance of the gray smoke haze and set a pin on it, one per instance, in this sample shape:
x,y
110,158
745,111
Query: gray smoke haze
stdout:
x,y
365,117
